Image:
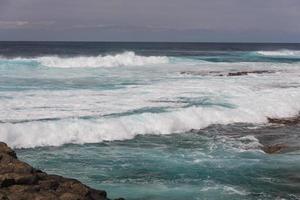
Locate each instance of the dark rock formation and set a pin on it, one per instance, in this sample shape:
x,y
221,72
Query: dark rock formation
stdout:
x,y
285,121
243,73
220,73
20,181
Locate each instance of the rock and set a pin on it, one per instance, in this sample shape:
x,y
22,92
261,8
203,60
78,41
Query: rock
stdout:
x,y
3,197
70,196
203,73
220,73
285,121
20,181
243,73
237,73
271,149
48,184
6,150
96,194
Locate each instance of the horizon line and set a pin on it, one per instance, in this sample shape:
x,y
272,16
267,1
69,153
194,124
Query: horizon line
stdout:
x,y
116,41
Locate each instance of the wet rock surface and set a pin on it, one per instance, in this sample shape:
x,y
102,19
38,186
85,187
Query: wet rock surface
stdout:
x,y
20,181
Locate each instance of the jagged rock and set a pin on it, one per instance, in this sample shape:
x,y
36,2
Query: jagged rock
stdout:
x,y
20,181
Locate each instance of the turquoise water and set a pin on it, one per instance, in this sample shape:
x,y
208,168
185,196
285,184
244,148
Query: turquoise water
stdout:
x,y
155,120
202,165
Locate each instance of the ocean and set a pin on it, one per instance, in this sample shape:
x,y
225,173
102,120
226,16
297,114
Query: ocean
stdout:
x,y
156,121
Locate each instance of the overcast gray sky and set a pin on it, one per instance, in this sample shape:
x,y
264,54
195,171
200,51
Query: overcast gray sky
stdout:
x,y
151,20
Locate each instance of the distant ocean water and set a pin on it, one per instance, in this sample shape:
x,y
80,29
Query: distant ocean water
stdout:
x,y
155,120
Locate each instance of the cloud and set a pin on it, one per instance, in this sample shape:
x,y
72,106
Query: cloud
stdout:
x,y
24,24
129,27
12,24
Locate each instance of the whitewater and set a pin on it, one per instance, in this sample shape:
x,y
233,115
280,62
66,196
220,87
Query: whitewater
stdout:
x,y
156,120
123,59
52,100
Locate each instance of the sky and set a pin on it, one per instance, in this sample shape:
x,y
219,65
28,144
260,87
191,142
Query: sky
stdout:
x,y
150,20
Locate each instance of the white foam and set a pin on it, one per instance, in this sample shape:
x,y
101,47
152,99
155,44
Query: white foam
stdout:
x,y
280,53
251,98
124,59
251,108
225,189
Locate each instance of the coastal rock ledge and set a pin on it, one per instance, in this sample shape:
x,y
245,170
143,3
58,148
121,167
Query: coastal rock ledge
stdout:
x,y
20,181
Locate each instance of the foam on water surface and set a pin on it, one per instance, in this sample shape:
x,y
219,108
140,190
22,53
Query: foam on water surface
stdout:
x,y
155,121
118,60
168,102
194,165
280,53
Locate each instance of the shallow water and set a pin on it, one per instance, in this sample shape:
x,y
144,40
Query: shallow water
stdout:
x,y
219,162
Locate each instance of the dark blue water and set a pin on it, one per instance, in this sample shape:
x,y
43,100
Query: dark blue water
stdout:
x,y
211,50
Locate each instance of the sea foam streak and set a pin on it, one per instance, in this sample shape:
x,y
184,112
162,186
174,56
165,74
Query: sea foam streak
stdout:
x,y
123,59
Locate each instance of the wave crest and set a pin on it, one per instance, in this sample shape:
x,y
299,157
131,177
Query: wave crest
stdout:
x,y
128,58
124,59
249,109
280,53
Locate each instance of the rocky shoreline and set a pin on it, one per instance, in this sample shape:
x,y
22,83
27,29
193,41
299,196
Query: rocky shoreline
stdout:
x,y
20,181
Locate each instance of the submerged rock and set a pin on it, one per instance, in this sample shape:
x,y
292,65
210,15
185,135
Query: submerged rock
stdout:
x,y
279,148
271,149
203,73
285,121
20,181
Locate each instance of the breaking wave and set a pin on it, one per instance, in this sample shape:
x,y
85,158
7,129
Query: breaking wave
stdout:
x,y
118,60
250,109
280,53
